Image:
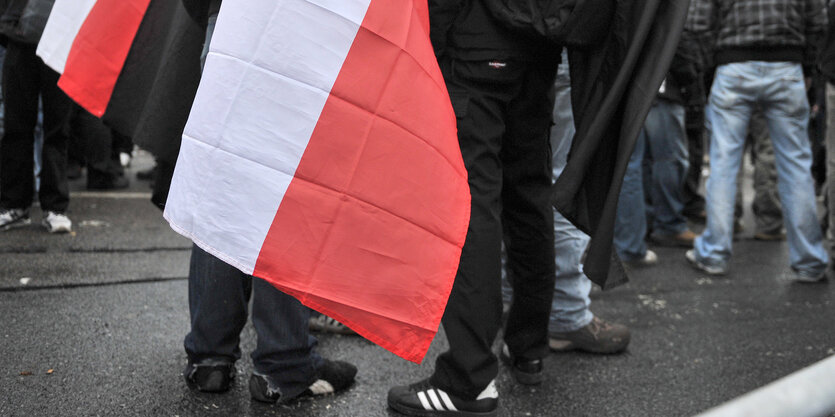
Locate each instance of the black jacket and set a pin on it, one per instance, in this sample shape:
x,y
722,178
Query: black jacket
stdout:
x,y
199,10
23,24
613,86
466,30
515,29
683,83
765,30
827,57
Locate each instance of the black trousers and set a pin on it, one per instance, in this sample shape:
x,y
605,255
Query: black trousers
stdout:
x,y
25,79
504,117
97,143
694,117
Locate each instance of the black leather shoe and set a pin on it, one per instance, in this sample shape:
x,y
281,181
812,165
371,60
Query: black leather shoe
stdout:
x,y
331,377
210,376
525,371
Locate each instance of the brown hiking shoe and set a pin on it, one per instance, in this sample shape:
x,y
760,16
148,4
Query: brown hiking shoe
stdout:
x,y
596,337
683,239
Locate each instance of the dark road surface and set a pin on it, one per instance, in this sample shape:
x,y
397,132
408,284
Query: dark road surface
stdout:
x,y
93,323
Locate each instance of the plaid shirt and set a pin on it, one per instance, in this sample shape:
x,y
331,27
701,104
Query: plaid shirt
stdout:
x,y
757,23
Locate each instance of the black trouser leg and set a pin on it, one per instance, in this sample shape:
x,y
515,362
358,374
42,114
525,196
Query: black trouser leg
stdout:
x,y
485,100
21,81
54,191
694,203
103,164
527,219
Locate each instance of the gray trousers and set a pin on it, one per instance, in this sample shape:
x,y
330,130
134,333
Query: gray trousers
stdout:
x,y
830,157
768,214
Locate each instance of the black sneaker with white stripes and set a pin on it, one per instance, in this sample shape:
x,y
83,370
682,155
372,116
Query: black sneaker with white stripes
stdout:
x,y
422,399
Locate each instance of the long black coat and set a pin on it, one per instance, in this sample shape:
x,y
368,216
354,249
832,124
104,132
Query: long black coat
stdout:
x,y
153,97
613,85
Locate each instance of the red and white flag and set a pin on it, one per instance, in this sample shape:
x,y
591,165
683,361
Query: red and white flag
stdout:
x,y
87,42
321,155
63,25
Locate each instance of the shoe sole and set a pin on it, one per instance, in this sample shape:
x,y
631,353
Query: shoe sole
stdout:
x,y
429,413
524,378
558,345
15,224
58,229
803,279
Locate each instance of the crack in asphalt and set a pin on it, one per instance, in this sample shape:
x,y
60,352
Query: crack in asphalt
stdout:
x,y
128,250
151,280
43,249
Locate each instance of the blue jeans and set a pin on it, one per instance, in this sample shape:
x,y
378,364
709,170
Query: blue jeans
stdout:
x,y
779,90
663,140
218,298
570,307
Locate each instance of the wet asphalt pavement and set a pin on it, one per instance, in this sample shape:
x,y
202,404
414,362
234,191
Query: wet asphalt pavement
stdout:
x,y
92,324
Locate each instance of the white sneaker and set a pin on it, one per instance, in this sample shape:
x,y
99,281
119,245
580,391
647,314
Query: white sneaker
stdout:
x,y
124,159
57,222
10,218
703,266
650,258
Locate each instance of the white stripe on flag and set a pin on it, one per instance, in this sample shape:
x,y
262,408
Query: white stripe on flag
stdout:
x,y
242,125
63,25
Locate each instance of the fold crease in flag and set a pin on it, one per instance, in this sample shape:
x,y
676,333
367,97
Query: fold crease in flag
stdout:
x,y
321,155
87,42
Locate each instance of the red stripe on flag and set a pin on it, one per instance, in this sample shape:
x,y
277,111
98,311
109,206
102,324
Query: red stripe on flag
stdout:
x,y
99,51
370,229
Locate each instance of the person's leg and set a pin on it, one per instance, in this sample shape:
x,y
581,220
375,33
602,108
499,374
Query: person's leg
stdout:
x,y
728,113
473,313
817,130
527,215
570,307
218,298
21,77
668,150
830,156
104,170
2,105
55,190
631,221
767,209
285,352
787,112
694,202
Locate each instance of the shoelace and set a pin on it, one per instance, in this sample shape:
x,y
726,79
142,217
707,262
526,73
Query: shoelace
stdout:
x,y
597,325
